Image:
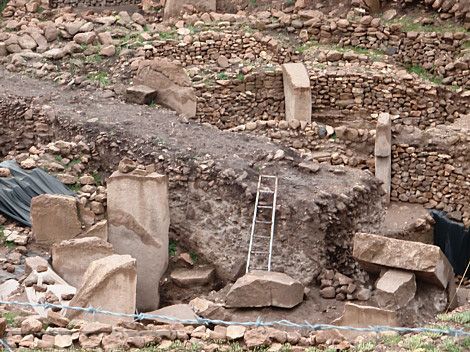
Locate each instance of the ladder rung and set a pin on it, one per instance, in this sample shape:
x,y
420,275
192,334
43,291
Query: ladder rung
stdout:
x,y
265,206
256,236
259,252
267,176
266,191
263,222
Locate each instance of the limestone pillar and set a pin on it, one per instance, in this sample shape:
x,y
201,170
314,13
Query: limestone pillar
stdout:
x,y
297,92
139,220
383,153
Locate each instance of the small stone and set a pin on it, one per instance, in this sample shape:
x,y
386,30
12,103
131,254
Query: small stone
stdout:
x,y
63,341
328,292
4,172
127,165
31,326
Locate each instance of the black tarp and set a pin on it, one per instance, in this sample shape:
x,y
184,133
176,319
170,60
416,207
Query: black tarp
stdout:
x,y
453,239
17,191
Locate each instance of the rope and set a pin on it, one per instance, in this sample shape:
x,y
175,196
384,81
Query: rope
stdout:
x,y
257,323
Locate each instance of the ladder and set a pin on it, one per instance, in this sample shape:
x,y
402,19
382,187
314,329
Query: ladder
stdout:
x,y
261,241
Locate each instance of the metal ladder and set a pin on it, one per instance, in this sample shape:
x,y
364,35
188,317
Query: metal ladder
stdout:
x,y
261,245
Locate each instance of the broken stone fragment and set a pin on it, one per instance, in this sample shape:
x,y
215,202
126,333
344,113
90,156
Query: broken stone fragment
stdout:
x,y
177,311
110,284
427,261
71,258
141,95
265,289
54,218
395,289
193,277
127,165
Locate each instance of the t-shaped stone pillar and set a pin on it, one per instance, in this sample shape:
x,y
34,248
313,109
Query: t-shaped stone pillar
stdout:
x,y
383,153
297,92
139,220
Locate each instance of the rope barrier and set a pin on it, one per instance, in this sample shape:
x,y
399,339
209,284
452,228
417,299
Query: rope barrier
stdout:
x,y
257,323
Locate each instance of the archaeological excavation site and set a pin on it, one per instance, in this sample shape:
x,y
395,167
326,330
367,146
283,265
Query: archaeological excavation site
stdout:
x,y
235,175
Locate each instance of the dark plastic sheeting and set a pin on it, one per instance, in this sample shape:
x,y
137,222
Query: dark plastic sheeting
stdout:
x,y
454,241
17,191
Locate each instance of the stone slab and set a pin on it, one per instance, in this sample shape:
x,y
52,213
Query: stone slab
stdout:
x,y
138,224
395,289
297,92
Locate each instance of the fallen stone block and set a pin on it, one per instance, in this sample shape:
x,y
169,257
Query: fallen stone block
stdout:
x,y
364,316
141,95
54,218
71,258
176,7
297,92
173,86
178,312
376,252
193,277
395,289
265,289
7,288
100,230
110,284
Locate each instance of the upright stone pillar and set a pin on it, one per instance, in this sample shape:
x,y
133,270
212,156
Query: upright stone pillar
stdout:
x,y
297,92
383,153
139,220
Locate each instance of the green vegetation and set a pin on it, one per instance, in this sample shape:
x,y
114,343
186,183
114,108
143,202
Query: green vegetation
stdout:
x,y
75,187
172,248
409,24
424,74
466,44
98,178
366,346
419,341
100,77
10,318
131,40
72,163
94,59
374,54
3,4
168,35
462,318
241,77
391,339
194,257
222,76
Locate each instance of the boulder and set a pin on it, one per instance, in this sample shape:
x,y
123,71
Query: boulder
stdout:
x,y
265,289
427,261
110,284
71,258
177,311
174,8
193,277
138,224
395,289
172,84
54,218
297,92
140,95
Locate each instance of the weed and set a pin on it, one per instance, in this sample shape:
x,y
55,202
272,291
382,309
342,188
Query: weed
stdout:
x,y
172,248
194,257
3,4
253,2
449,346
408,24
366,346
94,59
75,187
10,318
153,104
466,343
72,163
466,44
462,318
424,74
10,245
168,35
98,178
289,2
40,9
241,77
304,47
416,342
100,77
391,339
222,76
58,158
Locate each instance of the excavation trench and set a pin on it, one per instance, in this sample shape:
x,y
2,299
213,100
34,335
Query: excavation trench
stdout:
x,y
213,176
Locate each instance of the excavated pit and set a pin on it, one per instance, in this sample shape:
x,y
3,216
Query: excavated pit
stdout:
x,y
213,176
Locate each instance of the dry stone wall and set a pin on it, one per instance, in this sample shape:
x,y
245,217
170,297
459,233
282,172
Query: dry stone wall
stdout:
x,y
74,3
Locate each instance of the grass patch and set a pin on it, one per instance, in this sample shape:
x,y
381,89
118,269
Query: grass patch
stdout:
x,y
100,77
130,41
222,76
3,4
408,24
462,318
391,340
241,77
419,342
10,318
98,178
304,47
366,346
94,59
75,187
169,35
424,74
172,248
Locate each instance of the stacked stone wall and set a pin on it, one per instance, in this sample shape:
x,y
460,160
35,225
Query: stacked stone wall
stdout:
x,y
94,3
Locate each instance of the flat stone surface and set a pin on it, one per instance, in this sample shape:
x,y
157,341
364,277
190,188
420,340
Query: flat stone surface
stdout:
x,y
265,289
395,289
177,311
427,261
193,277
297,92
